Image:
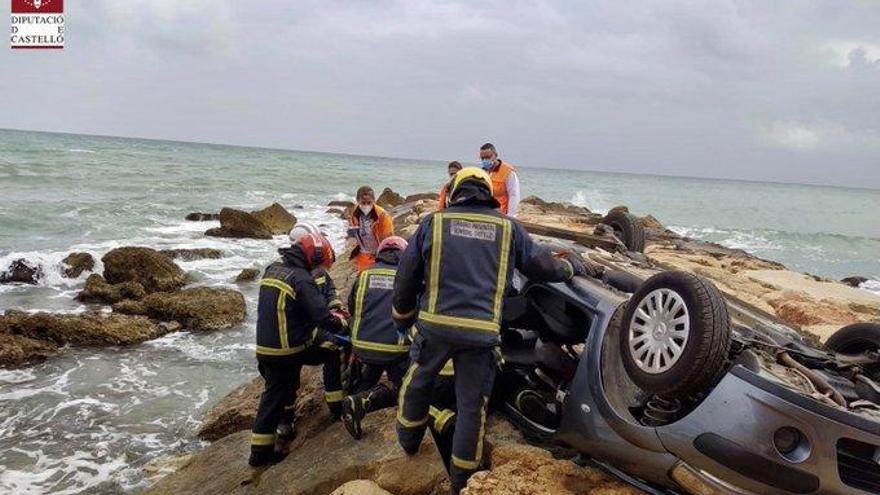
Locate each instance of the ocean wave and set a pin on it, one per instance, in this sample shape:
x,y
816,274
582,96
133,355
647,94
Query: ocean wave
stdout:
x,y
79,150
871,285
592,200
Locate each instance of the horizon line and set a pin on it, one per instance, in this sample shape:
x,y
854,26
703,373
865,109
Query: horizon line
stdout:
x,y
540,167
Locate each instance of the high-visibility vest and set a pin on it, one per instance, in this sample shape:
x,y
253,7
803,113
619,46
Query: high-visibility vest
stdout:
x,y
499,176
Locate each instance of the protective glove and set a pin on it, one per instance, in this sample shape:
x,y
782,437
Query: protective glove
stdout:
x,y
582,268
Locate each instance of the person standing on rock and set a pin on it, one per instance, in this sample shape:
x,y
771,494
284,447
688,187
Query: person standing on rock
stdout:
x,y
377,345
451,169
505,183
369,224
294,328
450,285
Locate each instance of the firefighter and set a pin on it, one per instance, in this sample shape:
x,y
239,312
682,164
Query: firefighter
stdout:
x,y
294,326
286,428
377,345
450,284
369,224
321,275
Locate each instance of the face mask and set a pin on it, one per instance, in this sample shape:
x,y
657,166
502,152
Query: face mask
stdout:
x,y
487,164
366,209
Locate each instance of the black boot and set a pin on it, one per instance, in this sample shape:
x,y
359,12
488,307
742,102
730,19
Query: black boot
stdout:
x,y
353,413
264,457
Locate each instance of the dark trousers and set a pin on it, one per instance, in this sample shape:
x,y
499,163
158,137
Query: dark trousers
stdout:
x,y
474,376
375,395
282,377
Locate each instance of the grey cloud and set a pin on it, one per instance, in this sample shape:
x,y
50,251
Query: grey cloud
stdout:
x,y
742,89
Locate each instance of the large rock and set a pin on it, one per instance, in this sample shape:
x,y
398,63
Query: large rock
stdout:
x,y
389,199
855,281
18,350
76,263
148,267
361,487
519,469
202,217
191,254
239,224
322,458
97,290
90,329
247,275
200,309
275,218
412,198
21,271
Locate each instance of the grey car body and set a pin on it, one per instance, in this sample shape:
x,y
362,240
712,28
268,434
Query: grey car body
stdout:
x,y
725,443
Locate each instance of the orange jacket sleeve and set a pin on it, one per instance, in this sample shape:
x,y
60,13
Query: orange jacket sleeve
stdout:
x,y
385,227
442,199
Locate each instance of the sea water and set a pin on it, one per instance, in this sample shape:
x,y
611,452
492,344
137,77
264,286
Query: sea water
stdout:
x,y
86,422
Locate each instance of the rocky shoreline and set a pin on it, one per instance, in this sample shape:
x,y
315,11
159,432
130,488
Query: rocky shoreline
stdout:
x,y
142,294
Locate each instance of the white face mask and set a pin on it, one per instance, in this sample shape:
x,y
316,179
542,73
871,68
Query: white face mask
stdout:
x,y
366,209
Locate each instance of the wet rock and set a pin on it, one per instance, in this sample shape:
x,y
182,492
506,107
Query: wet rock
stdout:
x,y
412,198
854,281
389,198
21,271
89,329
361,487
345,205
652,223
235,411
76,263
200,309
130,307
239,224
190,254
97,290
247,275
18,350
553,207
334,211
148,267
202,217
275,218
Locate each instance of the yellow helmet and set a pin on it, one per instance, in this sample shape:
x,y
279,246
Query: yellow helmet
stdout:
x,y
470,174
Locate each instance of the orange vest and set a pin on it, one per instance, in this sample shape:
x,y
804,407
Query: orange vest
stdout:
x,y
499,176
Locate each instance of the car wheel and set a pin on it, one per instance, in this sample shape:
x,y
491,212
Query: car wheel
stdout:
x,y
628,229
856,339
676,336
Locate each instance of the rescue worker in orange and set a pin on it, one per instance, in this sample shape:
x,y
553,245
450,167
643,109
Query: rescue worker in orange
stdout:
x,y
451,169
505,183
369,224
450,285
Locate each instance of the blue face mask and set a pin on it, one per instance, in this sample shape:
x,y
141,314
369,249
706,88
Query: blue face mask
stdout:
x,y
487,164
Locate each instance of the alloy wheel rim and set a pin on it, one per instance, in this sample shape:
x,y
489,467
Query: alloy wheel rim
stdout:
x,y
658,331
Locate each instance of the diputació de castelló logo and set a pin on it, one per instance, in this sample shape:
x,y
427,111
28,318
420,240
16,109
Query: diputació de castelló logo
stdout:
x,y
37,24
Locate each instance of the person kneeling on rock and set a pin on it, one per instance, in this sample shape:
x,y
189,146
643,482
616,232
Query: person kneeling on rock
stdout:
x,y
328,290
378,346
295,327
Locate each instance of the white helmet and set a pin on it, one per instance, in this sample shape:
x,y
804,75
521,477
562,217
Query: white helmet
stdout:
x,y
301,229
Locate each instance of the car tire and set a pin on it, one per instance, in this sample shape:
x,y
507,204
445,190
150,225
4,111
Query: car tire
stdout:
x,y
685,311
855,339
628,229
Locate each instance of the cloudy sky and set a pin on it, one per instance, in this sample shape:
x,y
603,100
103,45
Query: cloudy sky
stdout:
x,y
785,90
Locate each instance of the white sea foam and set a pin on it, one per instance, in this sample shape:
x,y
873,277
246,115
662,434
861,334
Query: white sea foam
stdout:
x,y
871,285
78,150
592,200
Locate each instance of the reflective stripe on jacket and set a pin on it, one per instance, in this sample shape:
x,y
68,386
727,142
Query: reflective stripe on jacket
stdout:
x,y
327,287
453,275
289,308
374,335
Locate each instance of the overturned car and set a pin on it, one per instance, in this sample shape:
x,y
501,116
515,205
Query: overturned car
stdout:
x,y
671,387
